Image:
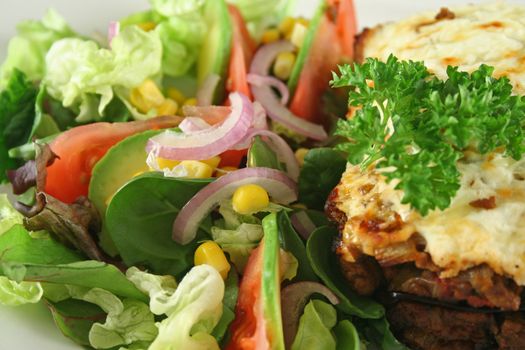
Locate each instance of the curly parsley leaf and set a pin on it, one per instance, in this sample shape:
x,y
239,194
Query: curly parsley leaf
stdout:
x,y
418,126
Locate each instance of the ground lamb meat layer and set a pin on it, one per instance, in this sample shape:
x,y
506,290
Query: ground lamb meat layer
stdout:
x,y
429,327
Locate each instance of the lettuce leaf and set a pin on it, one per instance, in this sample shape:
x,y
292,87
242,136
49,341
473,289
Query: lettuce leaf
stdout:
x,y
315,326
181,38
18,293
84,76
27,50
260,14
237,234
128,321
171,8
159,288
8,215
193,311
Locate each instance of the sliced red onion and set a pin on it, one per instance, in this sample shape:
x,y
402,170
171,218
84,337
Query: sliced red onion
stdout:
x,y
280,187
279,146
303,224
294,298
113,30
210,114
259,116
261,80
265,55
209,142
207,89
192,125
264,94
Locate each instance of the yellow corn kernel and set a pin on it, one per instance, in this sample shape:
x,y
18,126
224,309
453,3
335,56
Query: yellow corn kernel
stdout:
x,y
248,199
146,96
270,35
286,25
168,107
300,154
298,34
190,102
282,68
210,253
147,26
213,162
224,170
176,95
167,163
196,169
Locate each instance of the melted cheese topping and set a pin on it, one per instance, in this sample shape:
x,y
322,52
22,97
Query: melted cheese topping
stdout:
x,y
459,237
490,33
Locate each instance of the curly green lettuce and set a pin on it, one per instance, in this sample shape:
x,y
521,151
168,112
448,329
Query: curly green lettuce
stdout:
x,y
84,76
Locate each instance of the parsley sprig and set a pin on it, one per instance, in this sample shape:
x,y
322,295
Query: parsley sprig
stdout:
x,y
418,126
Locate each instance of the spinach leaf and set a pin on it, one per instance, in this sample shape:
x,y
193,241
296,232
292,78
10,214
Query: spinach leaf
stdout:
x,y
320,173
291,242
347,336
231,291
139,220
89,274
324,262
378,334
74,318
17,114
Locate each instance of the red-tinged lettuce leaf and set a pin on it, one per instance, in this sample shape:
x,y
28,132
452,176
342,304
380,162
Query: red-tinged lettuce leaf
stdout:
x,y
73,224
16,245
89,274
74,318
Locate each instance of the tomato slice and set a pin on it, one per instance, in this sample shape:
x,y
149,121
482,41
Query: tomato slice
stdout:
x,y
334,39
248,330
242,51
232,157
80,148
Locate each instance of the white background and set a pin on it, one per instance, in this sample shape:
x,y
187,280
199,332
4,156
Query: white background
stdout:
x,y
31,326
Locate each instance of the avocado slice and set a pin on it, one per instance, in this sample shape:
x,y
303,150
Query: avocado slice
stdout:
x,y
121,163
304,51
214,56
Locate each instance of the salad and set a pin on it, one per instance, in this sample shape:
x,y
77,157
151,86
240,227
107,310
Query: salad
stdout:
x,y
171,178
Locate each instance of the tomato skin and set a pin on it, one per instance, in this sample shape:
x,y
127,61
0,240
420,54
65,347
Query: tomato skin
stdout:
x,y
333,41
80,148
232,157
243,48
248,330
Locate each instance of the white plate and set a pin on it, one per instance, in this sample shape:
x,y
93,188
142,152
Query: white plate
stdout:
x,y
31,326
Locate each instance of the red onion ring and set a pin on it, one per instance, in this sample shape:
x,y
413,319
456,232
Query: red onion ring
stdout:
x,y
303,224
261,80
280,187
210,114
207,89
192,125
113,30
261,64
209,142
293,300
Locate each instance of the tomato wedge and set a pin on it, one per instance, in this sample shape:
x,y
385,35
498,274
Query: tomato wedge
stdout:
x,y
334,39
80,148
248,330
242,51
232,158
